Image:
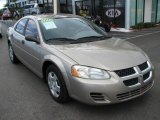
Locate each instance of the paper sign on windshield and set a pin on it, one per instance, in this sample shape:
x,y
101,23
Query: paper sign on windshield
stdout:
x,y
49,24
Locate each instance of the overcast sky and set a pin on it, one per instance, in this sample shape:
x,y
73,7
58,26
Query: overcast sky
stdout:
x,y
2,3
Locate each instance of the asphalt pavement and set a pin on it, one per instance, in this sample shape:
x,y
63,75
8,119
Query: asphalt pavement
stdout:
x,y
134,33
24,96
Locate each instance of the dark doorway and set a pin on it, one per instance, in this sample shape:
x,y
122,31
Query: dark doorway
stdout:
x,y
114,11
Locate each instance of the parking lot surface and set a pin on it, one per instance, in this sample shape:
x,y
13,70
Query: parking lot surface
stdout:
x,y
24,96
135,33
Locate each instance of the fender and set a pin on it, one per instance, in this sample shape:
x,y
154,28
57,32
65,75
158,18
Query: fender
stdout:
x,y
58,62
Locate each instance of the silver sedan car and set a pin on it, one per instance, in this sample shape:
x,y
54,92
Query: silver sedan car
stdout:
x,y
79,60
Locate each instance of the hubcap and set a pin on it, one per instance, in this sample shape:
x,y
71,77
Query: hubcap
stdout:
x,y
10,52
53,83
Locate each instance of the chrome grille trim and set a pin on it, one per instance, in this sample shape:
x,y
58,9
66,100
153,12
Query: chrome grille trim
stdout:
x,y
150,76
143,66
134,93
125,72
138,74
131,82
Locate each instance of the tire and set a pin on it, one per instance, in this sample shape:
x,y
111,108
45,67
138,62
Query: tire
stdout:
x,y
33,13
0,35
56,84
12,56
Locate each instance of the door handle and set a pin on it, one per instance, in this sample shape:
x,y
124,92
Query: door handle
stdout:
x,y
23,42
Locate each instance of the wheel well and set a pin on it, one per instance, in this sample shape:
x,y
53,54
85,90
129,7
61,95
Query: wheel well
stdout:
x,y
45,66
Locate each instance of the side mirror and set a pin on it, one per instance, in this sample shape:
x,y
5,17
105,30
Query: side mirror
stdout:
x,y
32,39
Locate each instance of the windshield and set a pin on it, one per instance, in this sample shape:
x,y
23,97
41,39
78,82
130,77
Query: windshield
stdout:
x,y
70,29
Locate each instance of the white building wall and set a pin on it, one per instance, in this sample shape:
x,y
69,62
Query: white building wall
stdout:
x,y
148,11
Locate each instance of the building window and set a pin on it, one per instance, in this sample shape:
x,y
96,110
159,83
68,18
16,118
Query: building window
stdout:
x,y
133,13
154,8
66,6
137,12
140,7
158,12
63,6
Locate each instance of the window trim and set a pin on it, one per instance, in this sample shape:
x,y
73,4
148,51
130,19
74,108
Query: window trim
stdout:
x,y
24,26
27,24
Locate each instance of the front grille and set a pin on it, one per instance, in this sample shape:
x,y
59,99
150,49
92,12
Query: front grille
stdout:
x,y
131,82
97,96
134,93
146,76
125,72
143,66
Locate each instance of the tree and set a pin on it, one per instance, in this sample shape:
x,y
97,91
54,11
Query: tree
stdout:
x,y
8,1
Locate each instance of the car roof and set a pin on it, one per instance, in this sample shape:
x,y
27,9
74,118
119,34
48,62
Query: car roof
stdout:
x,y
29,4
41,16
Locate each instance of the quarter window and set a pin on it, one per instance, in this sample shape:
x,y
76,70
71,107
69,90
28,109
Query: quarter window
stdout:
x,y
21,26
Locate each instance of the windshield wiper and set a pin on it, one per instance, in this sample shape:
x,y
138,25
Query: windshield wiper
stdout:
x,y
61,39
90,39
95,37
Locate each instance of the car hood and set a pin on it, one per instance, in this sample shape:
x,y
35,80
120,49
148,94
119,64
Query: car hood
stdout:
x,y
110,54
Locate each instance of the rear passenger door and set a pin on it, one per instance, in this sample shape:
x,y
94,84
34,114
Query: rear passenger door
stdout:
x,y
17,37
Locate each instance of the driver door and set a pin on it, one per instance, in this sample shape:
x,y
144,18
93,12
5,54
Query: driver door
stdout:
x,y
32,50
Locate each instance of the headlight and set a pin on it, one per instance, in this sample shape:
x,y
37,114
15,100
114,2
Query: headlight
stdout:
x,y
89,73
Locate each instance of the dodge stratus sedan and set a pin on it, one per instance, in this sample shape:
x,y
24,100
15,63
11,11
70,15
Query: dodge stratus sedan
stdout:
x,y
79,60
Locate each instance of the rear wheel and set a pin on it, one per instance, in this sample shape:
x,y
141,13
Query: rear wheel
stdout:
x,y
0,35
56,84
12,56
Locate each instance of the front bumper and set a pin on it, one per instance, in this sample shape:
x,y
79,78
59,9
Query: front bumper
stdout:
x,y
99,92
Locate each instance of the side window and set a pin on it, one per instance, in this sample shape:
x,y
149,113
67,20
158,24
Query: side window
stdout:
x,y
21,26
26,6
32,6
31,29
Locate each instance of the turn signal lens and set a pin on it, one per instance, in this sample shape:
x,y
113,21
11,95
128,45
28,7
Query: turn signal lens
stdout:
x,y
74,72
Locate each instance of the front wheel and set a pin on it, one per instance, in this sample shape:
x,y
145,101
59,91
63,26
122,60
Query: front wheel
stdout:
x,y
12,56
56,84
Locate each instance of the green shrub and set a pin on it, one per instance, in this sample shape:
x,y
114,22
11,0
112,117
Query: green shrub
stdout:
x,y
149,24
144,25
